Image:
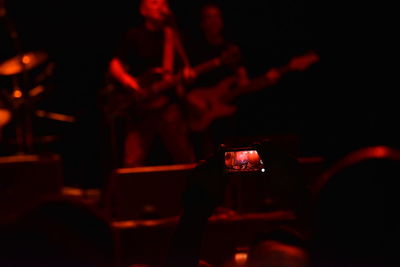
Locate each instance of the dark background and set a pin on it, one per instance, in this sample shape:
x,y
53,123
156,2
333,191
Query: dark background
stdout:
x,y
335,106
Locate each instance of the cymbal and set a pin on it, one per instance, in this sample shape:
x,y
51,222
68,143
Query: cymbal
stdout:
x,y
22,62
5,116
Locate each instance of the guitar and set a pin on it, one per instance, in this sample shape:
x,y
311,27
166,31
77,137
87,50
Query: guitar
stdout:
x,y
215,102
117,100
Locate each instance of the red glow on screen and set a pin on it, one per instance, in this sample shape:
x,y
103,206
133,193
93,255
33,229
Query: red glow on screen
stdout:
x,y
243,160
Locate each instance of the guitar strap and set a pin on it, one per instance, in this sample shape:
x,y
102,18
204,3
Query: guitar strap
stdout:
x,y
180,50
172,43
168,55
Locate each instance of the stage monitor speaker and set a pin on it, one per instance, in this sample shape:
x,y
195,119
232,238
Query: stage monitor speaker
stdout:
x,y
25,180
146,192
156,191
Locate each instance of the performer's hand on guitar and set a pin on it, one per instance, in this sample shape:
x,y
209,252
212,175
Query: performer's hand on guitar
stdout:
x,y
273,75
117,70
189,74
130,82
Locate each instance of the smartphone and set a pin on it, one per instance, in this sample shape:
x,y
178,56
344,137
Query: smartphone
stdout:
x,y
243,160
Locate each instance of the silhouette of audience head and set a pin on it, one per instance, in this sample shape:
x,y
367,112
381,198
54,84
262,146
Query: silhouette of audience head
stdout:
x,y
354,209
58,233
283,247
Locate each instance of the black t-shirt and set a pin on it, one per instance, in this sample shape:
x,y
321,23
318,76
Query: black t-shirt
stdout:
x,y
141,50
201,51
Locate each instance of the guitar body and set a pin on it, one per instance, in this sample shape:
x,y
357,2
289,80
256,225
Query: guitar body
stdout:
x,y
118,100
218,110
210,104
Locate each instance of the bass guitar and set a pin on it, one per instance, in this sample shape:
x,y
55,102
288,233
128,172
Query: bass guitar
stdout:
x,y
212,103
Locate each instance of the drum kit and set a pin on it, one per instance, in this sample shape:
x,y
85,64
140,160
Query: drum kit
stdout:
x,y
15,104
23,82
18,103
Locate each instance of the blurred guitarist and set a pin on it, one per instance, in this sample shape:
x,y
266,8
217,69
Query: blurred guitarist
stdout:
x,y
212,98
153,49
212,42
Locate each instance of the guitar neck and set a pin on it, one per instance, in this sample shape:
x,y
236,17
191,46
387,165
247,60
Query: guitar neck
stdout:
x,y
207,66
198,69
177,78
257,83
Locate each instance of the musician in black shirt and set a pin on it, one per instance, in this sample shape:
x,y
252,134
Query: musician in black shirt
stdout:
x,y
212,43
153,50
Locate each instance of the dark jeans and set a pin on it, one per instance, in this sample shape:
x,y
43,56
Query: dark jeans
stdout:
x,y
167,124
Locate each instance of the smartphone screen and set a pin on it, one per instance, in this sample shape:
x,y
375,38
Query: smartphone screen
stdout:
x,y
243,161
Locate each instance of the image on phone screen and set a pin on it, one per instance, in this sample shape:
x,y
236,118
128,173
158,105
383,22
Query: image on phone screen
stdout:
x,y
243,161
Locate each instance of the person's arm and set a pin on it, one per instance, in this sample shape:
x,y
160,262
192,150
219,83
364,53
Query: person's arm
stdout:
x,y
204,193
118,71
242,76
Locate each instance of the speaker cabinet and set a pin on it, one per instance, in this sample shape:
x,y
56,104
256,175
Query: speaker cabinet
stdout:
x,y
26,180
146,192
